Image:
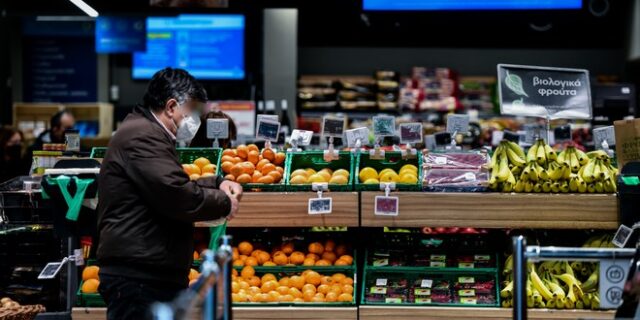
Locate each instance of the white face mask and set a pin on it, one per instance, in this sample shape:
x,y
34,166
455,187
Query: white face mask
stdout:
x,y
188,127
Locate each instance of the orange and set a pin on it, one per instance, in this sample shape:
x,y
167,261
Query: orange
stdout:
x,y
277,176
317,299
90,272
238,263
269,155
298,300
256,176
263,257
237,160
313,278
347,280
247,272
266,180
295,292
243,178
336,288
227,159
267,168
261,164
286,298
308,295
288,248
329,245
309,287
280,258
347,258
230,177
242,257
316,248
201,162
325,175
338,277
234,272
329,256
248,167
235,287
345,297
243,284
269,286
296,282
254,281
208,174
253,290
245,248
209,168
263,297
341,262
242,151
251,261
90,286
347,288
297,258
268,277
252,147
235,253
269,264
279,158
322,262
187,169
313,256
324,288
194,176
226,166
253,156
280,169
284,281
237,170
326,280
304,273
308,262
229,152
341,250
331,297
255,253
193,274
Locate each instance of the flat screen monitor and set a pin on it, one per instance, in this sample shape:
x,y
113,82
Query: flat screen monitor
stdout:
x,y
434,5
209,46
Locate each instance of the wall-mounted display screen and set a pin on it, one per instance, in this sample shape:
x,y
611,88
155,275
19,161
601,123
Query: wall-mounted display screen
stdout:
x,y
433,5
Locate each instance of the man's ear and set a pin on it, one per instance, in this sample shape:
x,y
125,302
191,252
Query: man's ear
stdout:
x,y
170,107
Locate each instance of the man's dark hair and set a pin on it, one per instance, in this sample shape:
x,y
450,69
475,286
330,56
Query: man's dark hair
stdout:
x,y
56,119
170,83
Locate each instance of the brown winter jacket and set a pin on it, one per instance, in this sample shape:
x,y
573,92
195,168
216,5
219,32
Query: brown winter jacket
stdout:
x,y
148,205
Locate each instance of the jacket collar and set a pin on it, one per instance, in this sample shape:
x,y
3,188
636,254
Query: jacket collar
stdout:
x,y
146,113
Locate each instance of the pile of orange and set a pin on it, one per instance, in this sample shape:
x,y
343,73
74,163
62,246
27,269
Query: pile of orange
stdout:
x,y
201,167
245,164
317,254
310,286
90,279
193,276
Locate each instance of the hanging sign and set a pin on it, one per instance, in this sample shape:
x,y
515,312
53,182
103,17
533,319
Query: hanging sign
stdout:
x,y
552,93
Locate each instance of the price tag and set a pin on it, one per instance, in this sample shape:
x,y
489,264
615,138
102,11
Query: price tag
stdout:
x,y
384,126
218,128
469,176
602,134
457,123
466,265
534,131
467,300
301,137
552,93
467,293
442,138
50,270
622,236
358,135
380,262
411,133
78,254
441,160
496,137
562,134
426,283
440,257
378,290
423,300
511,136
422,292
466,280
482,257
268,129
437,264
381,282
386,206
333,126
392,300
320,206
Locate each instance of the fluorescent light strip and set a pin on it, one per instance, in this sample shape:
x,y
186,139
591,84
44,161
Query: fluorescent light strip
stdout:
x,y
86,8
64,18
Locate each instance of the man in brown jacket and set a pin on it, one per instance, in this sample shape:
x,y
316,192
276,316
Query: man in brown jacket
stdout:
x,y
148,204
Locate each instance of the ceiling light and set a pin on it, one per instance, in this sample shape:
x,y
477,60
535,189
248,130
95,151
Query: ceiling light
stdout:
x,y
91,12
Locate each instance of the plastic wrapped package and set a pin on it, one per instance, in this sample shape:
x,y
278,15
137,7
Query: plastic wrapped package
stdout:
x,y
457,160
456,180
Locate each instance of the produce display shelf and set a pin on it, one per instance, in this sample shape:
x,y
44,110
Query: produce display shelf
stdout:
x,y
496,210
282,209
465,313
252,313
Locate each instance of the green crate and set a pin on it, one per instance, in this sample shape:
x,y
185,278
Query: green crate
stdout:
x,y
300,268
315,160
285,271
392,160
185,155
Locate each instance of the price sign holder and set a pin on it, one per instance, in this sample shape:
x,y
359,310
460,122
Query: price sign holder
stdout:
x,y
534,131
320,205
387,205
51,269
356,138
562,134
300,138
332,127
217,129
457,123
410,133
604,138
383,126
268,130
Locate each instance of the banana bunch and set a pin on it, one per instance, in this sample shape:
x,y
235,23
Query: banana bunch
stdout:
x,y
556,285
604,241
542,170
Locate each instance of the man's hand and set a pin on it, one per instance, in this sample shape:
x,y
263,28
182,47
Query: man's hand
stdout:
x,y
234,192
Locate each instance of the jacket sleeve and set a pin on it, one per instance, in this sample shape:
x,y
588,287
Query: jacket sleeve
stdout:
x,y
153,167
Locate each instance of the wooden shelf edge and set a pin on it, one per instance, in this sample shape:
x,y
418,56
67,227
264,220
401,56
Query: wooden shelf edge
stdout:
x,y
427,313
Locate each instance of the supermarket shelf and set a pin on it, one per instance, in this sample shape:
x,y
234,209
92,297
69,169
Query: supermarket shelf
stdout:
x,y
496,210
281,209
252,313
465,313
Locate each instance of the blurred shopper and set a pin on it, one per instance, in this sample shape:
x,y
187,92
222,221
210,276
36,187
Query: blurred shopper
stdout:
x,y
201,140
148,204
12,163
60,122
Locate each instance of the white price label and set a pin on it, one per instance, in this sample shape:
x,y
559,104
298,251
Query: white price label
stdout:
x,y
320,206
466,280
622,236
381,282
301,137
441,160
426,283
469,176
357,138
386,206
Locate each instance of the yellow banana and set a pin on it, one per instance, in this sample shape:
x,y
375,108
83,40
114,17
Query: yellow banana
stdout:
x,y
541,156
539,285
532,152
